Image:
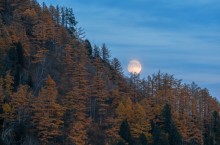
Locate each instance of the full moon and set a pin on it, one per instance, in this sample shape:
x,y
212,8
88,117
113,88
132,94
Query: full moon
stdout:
x,y
134,66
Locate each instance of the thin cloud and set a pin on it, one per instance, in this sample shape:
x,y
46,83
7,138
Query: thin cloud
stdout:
x,y
180,37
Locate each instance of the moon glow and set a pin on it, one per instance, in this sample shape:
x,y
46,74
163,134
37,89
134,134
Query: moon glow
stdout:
x,y
134,66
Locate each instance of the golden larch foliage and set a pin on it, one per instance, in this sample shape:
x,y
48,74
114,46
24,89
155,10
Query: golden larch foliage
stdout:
x,y
47,117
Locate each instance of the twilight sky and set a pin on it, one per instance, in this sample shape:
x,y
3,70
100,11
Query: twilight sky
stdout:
x,y
174,36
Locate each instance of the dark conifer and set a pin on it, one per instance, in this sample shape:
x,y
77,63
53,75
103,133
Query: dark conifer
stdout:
x,y
124,131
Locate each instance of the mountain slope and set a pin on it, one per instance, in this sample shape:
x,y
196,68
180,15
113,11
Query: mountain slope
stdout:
x,y
55,88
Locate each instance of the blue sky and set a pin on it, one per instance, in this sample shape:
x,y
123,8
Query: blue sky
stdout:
x,y
174,36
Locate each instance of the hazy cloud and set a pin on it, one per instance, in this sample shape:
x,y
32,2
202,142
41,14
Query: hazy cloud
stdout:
x,y
179,37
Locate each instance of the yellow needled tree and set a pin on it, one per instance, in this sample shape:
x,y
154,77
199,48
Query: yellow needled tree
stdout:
x,y
1,100
100,92
8,90
8,84
77,131
20,102
138,122
47,113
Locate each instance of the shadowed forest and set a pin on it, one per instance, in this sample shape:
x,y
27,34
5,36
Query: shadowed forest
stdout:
x,y
57,89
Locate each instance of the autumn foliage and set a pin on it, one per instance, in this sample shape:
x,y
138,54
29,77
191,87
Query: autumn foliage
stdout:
x,y
55,88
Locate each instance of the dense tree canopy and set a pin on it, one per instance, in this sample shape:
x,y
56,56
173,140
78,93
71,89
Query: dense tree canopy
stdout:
x,y
56,88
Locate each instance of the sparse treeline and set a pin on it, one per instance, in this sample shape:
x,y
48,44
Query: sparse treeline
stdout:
x,y
55,88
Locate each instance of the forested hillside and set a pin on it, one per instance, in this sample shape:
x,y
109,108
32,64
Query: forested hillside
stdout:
x,y
57,89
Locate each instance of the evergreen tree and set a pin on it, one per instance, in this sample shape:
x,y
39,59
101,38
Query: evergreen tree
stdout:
x,y
105,53
143,139
124,131
96,52
116,65
71,21
215,128
159,138
88,47
120,143
169,127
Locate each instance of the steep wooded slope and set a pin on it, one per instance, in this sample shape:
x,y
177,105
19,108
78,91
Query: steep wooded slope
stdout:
x,y
55,88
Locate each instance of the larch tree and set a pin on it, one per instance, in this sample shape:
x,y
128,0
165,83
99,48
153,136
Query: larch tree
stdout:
x,y
8,84
69,65
116,79
147,104
47,113
40,52
79,95
114,121
57,15
105,53
48,23
20,102
138,122
7,115
193,122
121,112
1,101
99,90
8,90
129,112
